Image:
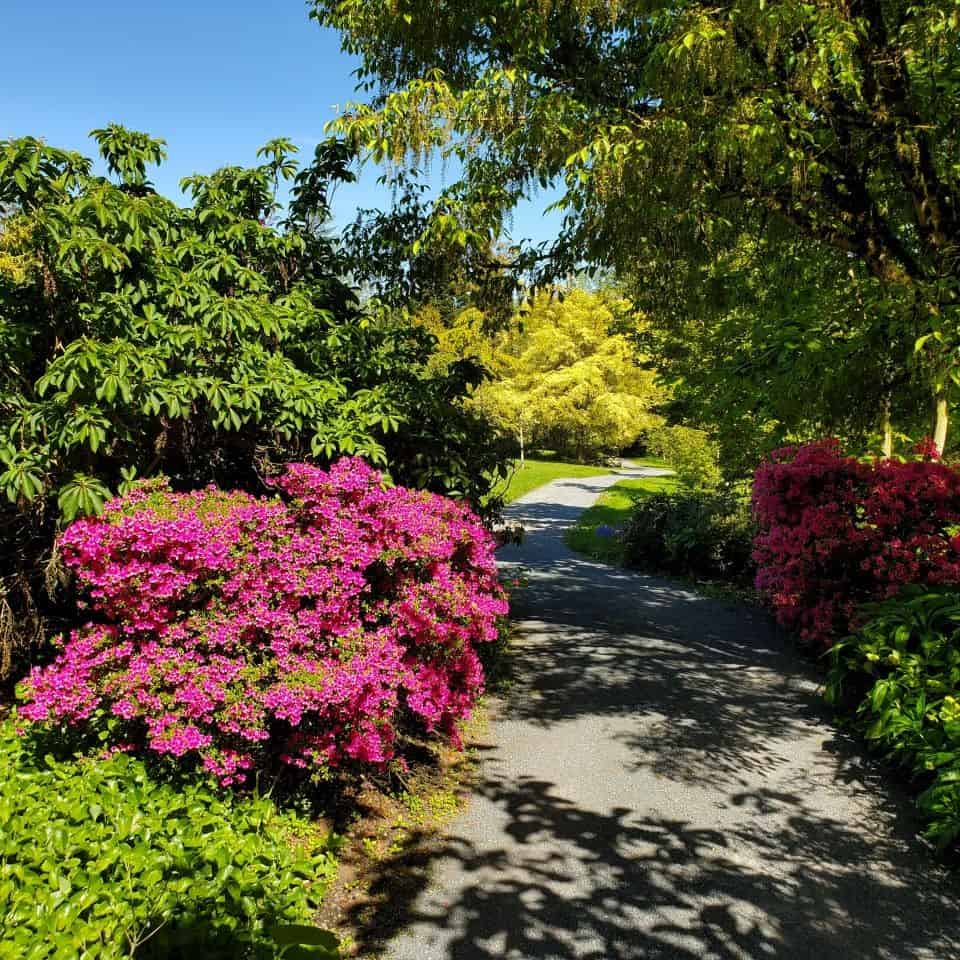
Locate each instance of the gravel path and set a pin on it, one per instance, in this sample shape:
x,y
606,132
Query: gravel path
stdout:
x,y
662,781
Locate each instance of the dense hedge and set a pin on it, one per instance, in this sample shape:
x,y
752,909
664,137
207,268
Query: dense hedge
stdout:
x,y
837,532
691,534
230,632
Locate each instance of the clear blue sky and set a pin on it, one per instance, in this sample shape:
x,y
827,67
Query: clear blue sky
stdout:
x,y
214,78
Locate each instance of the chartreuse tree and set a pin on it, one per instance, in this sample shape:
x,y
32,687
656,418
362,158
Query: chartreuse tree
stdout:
x,y
203,342
670,127
565,376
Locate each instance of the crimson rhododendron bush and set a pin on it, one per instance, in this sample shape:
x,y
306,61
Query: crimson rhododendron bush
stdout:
x,y
836,532
307,627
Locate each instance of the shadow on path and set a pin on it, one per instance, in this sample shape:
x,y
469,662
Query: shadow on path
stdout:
x,y
662,781
662,887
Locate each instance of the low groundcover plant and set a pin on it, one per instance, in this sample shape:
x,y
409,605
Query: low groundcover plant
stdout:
x,y
100,860
232,632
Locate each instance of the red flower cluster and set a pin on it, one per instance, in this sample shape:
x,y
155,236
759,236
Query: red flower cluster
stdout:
x,y
234,629
836,532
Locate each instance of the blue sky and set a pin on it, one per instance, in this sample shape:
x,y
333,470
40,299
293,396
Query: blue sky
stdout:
x,y
214,78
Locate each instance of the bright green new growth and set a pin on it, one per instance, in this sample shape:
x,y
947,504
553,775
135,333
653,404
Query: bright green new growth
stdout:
x,y
691,454
97,859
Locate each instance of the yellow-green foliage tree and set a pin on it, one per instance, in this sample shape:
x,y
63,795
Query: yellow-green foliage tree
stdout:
x,y
465,336
565,375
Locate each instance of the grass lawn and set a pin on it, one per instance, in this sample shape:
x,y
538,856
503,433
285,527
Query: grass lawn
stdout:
x,y
535,473
610,512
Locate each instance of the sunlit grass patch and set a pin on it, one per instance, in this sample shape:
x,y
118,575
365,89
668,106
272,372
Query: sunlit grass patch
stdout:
x,y
597,531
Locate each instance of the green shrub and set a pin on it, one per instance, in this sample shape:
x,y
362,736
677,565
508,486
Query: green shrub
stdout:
x,y
692,454
201,342
97,860
692,534
899,677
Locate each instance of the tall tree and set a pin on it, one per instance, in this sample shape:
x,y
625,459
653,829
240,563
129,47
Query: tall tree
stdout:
x,y
671,124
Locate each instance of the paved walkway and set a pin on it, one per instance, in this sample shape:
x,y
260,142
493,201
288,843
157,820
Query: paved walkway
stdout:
x,y
662,781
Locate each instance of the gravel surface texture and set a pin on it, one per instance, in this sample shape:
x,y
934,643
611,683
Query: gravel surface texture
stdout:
x,y
662,780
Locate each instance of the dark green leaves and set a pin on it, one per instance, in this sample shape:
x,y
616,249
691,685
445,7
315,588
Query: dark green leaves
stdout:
x,y
906,659
149,337
306,942
81,496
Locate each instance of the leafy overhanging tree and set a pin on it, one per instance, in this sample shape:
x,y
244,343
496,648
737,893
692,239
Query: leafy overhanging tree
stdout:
x,y
780,339
204,342
670,124
406,257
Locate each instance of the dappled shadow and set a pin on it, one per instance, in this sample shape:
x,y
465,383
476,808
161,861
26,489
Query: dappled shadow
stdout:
x,y
541,516
789,881
709,691
666,784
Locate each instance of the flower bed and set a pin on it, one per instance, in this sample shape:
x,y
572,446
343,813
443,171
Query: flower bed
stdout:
x,y
308,628
837,532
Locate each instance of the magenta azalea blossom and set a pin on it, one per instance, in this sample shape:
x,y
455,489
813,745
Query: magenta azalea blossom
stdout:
x,y
837,532
306,627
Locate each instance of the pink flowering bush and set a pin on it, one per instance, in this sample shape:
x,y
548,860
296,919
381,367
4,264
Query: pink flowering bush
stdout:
x,y
306,628
836,532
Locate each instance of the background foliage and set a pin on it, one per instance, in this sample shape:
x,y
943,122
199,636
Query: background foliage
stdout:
x,y
692,454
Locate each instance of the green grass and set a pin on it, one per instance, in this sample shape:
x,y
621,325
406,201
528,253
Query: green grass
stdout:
x,y
536,473
612,510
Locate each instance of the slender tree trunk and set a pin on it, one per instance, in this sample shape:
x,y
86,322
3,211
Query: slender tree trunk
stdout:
x,y
940,419
521,445
887,426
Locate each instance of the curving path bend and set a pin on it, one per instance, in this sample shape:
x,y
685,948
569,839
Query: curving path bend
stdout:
x,y
661,781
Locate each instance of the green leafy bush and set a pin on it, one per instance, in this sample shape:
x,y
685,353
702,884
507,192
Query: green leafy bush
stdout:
x,y
203,342
899,678
692,454
97,860
692,534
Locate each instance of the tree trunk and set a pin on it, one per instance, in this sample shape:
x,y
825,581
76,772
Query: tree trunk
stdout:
x,y
521,446
887,429
940,419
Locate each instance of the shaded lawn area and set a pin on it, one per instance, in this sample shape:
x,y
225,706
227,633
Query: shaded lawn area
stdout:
x,y
595,533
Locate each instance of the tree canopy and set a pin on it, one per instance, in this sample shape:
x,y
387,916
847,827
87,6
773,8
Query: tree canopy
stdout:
x,y
564,374
674,127
781,339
